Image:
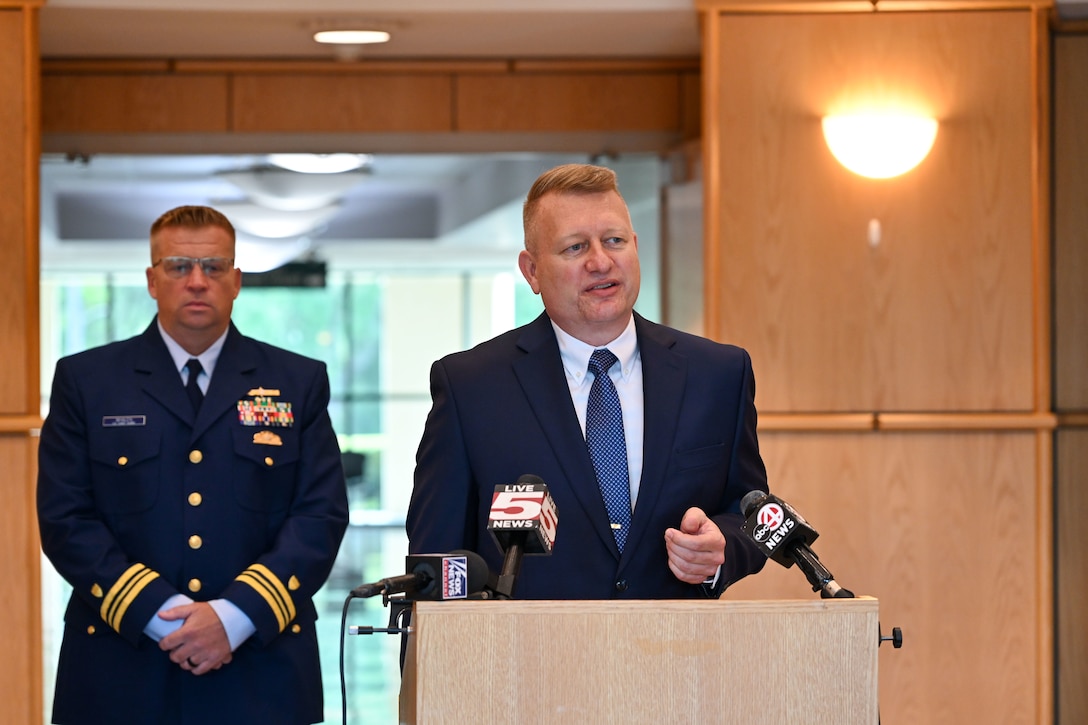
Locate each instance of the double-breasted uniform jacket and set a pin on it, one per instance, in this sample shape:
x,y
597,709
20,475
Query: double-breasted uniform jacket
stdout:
x,y
503,409
139,499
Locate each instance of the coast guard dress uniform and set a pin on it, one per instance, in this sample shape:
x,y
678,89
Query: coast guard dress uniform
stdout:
x,y
140,498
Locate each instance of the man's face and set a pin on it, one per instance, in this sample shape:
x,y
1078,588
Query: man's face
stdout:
x,y
194,308
582,260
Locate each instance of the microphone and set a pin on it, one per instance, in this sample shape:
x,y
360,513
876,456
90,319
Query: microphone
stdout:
x,y
522,520
784,536
457,575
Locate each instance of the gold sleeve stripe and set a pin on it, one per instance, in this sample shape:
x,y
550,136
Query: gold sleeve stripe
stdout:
x,y
127,587
269,586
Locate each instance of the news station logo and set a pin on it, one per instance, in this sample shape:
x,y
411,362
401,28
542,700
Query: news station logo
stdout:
x,y
524,507
768,519
454,577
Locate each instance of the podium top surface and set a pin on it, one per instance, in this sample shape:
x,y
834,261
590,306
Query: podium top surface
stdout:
x,y
615,606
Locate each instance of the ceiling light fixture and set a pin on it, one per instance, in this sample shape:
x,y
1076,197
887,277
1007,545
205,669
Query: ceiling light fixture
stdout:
x,y
263,255
285,190
266,223
879,145
352,37
320,163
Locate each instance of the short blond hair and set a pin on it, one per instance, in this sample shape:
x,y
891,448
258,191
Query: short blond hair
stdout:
x,y
191,217
566,179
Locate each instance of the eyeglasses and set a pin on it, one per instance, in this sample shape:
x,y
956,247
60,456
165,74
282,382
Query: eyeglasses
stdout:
x,y
180,267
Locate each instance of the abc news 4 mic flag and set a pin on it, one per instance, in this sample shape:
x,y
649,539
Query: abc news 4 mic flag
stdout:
x,y
774,525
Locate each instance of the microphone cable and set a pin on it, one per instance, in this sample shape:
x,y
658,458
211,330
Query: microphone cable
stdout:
x,y
343,680
397,626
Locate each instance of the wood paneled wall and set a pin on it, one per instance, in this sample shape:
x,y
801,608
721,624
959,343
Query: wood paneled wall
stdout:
x,y
1071,371
903,387
373,106
914,520
925,320
21,666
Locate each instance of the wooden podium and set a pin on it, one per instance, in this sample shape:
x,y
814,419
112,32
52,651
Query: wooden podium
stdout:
x,y
668,661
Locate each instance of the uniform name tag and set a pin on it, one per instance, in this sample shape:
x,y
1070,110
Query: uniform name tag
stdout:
x,y
123,421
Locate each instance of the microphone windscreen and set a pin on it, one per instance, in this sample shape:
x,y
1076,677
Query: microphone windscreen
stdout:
x,y
478,573
752,501
523,513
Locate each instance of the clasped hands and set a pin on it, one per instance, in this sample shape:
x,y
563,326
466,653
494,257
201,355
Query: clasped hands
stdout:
x,y
200,644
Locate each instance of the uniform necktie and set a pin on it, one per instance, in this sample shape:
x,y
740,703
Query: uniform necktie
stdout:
x,y
607,446
196,395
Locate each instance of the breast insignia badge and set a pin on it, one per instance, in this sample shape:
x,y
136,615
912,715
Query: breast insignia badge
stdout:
x,y
267,438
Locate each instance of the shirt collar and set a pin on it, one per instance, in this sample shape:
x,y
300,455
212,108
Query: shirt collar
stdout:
x,y
575,353
207,359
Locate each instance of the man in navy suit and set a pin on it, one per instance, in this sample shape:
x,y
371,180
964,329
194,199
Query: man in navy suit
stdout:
x,y
517,405
194,507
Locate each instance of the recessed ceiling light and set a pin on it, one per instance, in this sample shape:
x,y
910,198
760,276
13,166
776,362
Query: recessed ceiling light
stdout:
x,y
351,37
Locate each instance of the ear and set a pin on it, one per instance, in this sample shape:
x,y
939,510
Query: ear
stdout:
x,y
151,289
528,270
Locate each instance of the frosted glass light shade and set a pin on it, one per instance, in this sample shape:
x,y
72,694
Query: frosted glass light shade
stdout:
x,y
879,145
277,188
261,255
268,223
352,37
319,163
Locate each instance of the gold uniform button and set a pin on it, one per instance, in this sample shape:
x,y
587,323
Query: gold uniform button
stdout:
x,y
90,629
96,591
268,461
293,583
195,499
295,628
194,585
195,542
195,456
122,461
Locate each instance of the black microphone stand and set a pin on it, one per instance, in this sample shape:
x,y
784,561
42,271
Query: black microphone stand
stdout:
x,y
817,574
511,565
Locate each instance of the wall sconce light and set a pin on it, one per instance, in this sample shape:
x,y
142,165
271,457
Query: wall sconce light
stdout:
x,y
879,145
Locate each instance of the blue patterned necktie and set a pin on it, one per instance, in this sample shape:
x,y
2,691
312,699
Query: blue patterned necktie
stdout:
x,y
196,395
607,446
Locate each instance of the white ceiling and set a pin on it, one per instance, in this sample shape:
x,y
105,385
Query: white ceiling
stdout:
x,y
420,28
410,211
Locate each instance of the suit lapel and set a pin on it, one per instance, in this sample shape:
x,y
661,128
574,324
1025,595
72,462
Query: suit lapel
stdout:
x,y
540,373
663,378
233,373
161,380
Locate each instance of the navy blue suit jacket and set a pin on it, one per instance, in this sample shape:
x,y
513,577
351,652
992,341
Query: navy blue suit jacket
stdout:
x,y
503,409
128,475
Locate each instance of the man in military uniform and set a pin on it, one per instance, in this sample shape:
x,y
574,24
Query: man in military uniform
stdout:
x,y
191,492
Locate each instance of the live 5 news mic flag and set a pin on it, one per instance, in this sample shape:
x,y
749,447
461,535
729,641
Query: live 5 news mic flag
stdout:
x,y
784,536
522,520
457,575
